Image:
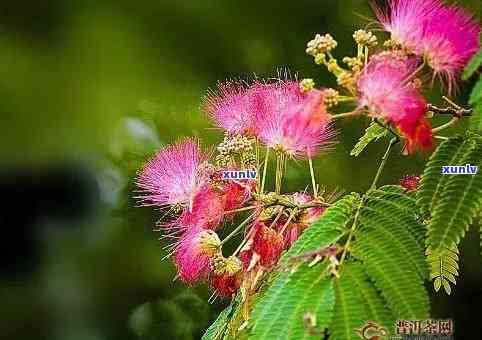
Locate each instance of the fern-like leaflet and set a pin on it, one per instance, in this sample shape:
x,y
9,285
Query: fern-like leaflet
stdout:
x,y
452,202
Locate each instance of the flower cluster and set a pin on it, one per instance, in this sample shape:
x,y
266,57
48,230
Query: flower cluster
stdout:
x,y
289,119
283,116
446,36
387,83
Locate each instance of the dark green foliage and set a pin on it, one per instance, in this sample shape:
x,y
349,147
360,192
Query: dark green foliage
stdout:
x,y
473,65
357,301
451,203
381,280
280,313
476,102
372,133
476,95
443,267
432,180
389,247
459,201
476,119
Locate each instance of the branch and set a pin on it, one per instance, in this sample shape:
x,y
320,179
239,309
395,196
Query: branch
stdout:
x,y
453,110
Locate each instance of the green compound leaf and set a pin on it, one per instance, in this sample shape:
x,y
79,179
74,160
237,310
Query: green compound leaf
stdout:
x,y
460,200
357,301
389,247
476,118
372,133
433,182
280,313
292,294
443,267
476,94
473,65
476,101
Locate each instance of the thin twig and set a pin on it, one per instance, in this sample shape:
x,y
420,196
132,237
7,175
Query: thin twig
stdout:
x,y
345,115
451,122
460,112
265,166
236,230
392,142
240,209
312,173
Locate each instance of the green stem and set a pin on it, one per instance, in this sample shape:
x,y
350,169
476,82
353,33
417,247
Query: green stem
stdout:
x,y
392,142
312,173
346,115
280,161
451,122
265,166
236,230
352,231
240,209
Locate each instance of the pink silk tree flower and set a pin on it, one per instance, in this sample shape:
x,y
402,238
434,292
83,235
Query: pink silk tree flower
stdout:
x,y
237,193
405,21
292,121
446,35
226,285
230,108
264,246
193,254
267,243
207,210
383,90
451,39
174,175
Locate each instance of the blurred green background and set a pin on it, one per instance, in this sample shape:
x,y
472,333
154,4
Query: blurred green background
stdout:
x,y
88,91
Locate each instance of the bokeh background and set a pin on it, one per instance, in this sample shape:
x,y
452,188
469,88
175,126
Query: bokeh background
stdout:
x,y
88,91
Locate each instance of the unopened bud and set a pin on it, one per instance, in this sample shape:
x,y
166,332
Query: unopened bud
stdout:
x,y
321,44
209,242
307,84
365,38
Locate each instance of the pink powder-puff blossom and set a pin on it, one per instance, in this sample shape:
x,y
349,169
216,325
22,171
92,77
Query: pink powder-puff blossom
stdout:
x,y
382,88
193,254
405,21
207,210
230,108
451,39
237,193
226,285
174,175
446,35
292,121
265,245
